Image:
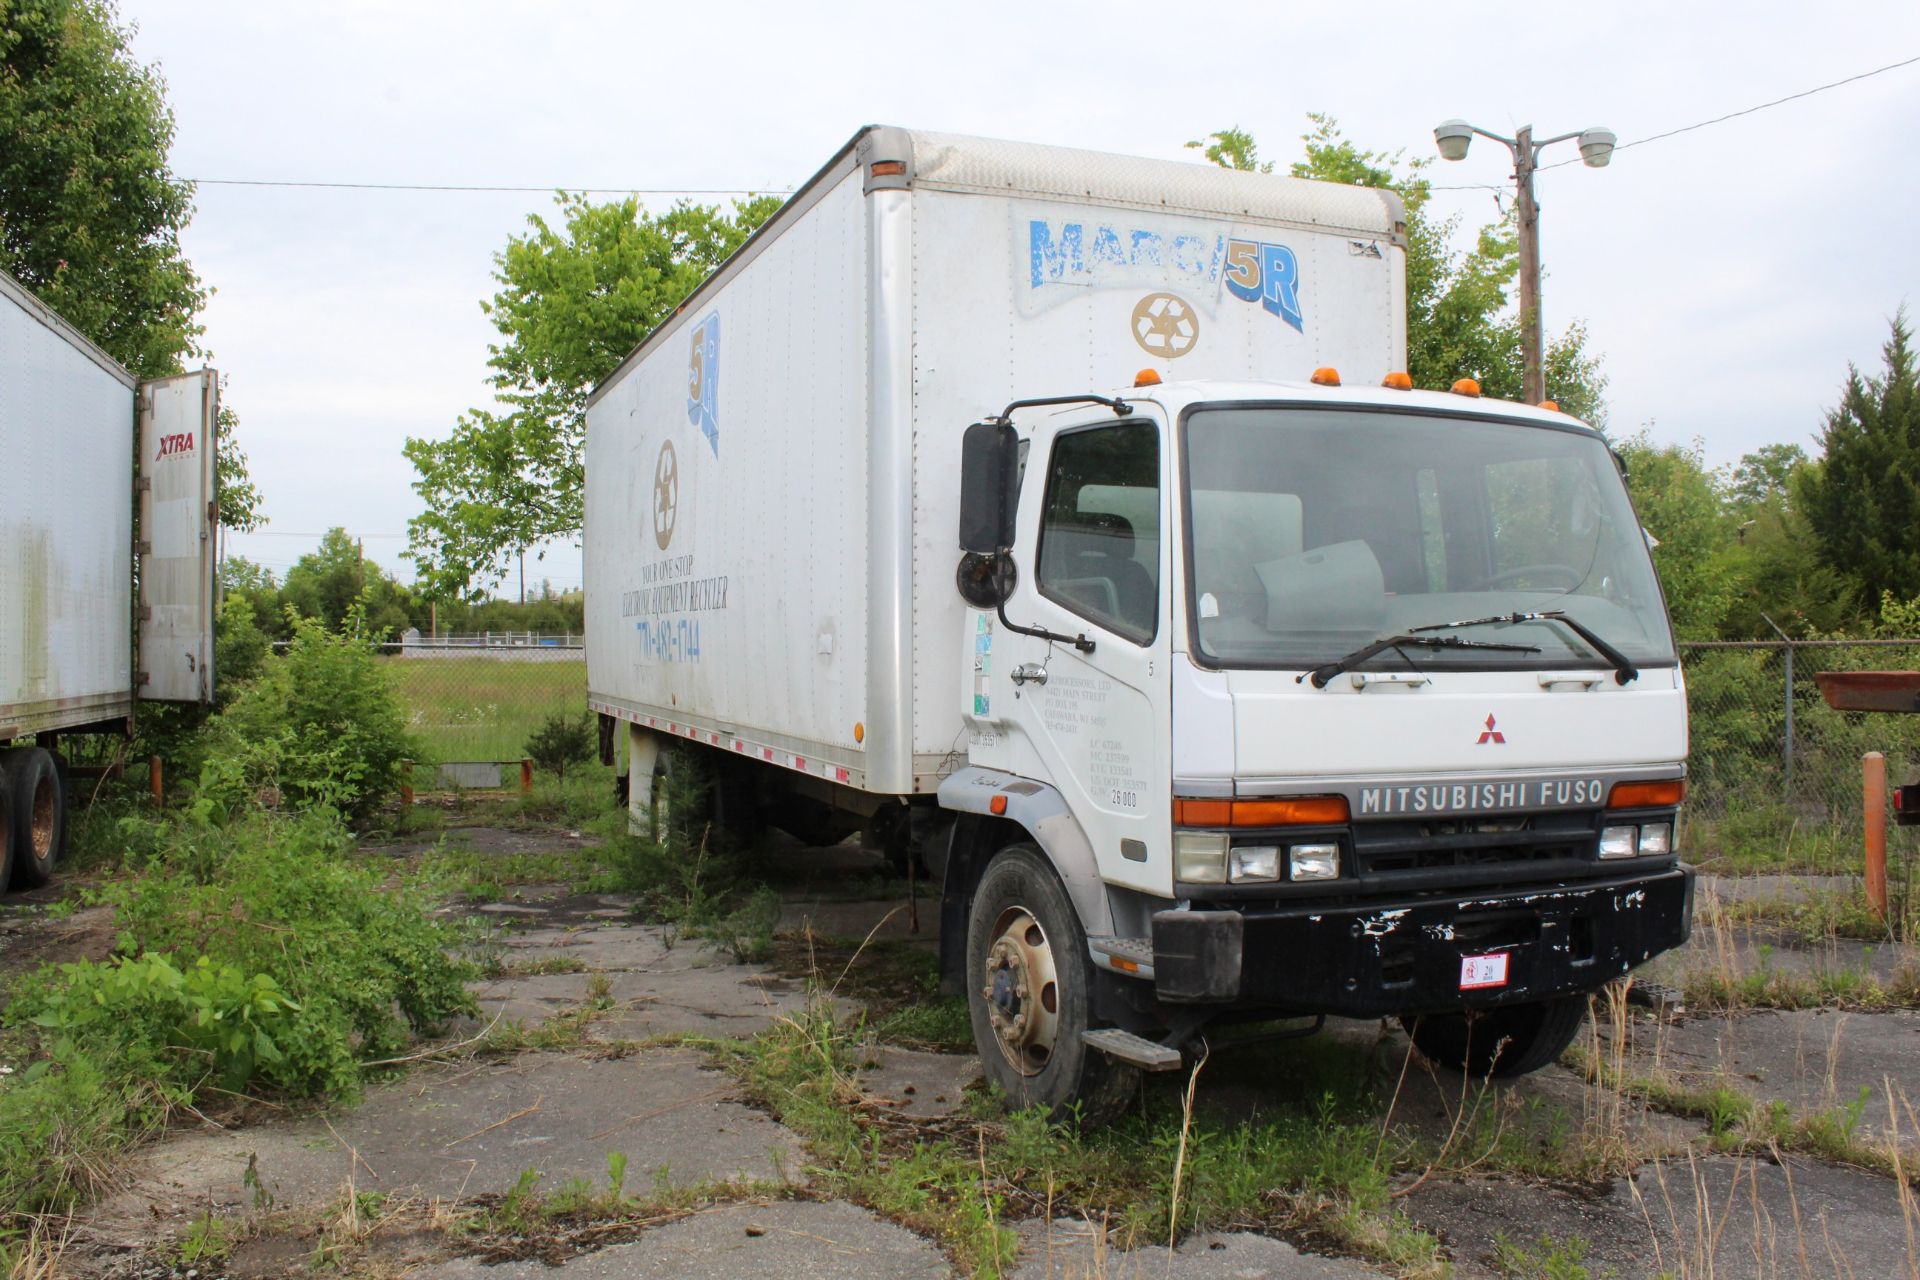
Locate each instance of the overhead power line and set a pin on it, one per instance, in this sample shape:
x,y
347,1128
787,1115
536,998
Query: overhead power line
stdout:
x,y
427,186
1689,128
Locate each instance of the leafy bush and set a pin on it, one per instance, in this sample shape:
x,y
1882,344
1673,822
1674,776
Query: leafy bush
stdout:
x,y
562,741
320,728
294,943
213,1017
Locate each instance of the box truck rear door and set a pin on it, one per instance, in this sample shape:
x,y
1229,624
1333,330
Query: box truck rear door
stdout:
x,y
179,526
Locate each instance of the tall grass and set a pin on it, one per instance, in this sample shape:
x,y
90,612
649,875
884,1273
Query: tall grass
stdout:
x,y
484,708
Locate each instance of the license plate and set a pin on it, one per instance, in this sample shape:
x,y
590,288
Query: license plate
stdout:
x,y
1483,971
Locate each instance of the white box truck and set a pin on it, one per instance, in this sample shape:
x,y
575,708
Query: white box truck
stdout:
x,y
1252,685
91,621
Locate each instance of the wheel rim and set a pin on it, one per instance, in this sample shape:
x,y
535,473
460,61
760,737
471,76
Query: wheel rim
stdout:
x,y
44,813
1022,991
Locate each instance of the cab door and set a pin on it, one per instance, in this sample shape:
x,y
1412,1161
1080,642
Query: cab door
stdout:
x,y
1093,719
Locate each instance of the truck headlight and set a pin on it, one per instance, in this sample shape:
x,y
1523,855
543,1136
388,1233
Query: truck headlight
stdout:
x,y
1254,863
1200,857
1313,862
1656,839
1618,842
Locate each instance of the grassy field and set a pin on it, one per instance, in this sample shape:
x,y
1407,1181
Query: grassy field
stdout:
x,y
485,708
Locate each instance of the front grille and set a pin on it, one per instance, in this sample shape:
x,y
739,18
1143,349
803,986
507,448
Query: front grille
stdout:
x,y
1532,845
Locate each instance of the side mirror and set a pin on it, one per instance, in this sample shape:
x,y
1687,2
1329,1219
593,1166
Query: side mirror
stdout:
x,y
989,472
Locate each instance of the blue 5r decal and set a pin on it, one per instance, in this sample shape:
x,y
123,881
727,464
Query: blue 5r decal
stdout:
x,y
703,381
1268,274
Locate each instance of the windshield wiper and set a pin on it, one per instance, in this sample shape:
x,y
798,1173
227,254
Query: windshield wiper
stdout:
x,y
1623,668
1321,675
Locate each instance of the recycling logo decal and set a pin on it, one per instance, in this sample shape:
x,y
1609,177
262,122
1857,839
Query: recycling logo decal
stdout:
x,y
1165,326
666,494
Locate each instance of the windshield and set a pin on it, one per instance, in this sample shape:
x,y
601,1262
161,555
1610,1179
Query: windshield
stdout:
x,y
1315,531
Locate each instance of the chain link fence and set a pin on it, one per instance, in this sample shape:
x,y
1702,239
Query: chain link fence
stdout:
x,y
1775,772
482,700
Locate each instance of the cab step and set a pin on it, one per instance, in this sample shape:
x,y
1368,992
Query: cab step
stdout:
x,y
1135,1051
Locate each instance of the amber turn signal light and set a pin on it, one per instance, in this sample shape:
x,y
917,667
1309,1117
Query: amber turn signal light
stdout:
x,y
1647,795
1280,811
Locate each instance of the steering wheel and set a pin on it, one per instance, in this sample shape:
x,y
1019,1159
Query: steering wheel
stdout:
x,y
1570,576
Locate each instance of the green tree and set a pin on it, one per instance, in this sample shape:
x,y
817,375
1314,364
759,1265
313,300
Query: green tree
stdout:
x,y
1678,499
1459,321
1233,149
332,581
90,214
1767,476
1863,501
574,300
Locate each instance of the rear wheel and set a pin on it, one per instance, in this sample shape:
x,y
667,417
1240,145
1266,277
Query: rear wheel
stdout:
x,y
1508,1041
6,823
39,825
1030,983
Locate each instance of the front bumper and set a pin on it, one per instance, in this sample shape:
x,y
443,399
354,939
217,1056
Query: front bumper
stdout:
x,y
1387,957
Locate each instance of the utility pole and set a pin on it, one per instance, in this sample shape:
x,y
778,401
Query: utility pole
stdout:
x,y
523,575
1596,148
1533,378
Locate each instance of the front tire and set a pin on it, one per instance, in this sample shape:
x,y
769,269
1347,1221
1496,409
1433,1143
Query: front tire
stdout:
x,y
1511,1040
39,825
1030,984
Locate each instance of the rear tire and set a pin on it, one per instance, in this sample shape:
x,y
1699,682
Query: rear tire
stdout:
x,y
1030,980
39,820
6,824
1508,1041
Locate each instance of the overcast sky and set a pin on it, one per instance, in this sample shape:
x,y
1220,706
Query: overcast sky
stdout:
x,y
1727,275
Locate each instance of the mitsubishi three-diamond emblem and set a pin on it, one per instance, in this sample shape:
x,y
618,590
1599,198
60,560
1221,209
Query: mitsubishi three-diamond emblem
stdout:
x,y
1491,734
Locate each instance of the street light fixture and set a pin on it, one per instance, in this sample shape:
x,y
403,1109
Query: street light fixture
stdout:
x,y
1453,137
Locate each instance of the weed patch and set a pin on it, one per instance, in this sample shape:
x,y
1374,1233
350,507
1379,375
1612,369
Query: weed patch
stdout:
x,y
1315,1164
261,956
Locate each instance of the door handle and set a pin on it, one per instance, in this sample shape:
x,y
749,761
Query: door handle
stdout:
x,y
1029,671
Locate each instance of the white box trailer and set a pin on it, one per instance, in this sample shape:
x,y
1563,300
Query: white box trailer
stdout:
x,y
91,623
1181,718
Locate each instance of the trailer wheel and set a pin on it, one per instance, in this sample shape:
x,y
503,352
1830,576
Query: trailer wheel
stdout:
x,y
1509,1041
1030,979
39,824
6,823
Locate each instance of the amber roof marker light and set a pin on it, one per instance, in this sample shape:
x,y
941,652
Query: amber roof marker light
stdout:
x,y
1465,387
1398,381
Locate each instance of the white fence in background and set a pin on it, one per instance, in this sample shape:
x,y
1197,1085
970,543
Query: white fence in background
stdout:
x,y
502,646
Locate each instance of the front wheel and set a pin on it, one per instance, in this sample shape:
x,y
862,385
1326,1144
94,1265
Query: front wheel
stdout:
x,y
1030,980
1508,1041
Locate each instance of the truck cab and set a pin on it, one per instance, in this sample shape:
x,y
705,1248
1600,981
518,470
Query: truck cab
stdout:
x,y
1314,701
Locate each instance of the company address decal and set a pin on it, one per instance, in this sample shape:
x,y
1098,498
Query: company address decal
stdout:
x,y
1066,255
663,608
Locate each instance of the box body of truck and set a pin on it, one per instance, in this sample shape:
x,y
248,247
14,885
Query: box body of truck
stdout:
x,y
107,543
770,487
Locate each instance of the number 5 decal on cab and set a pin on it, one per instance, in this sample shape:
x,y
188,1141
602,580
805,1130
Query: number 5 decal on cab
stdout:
x,y
1268,274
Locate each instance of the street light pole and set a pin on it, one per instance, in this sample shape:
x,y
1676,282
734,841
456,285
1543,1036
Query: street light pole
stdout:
x,y
1596,148
1533,377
